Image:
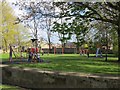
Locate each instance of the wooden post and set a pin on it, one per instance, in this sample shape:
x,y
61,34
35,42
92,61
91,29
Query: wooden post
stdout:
x,y
54,50
62,50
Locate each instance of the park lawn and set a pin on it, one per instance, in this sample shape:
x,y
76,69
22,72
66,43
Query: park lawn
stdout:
x,y
76,63
9,87
5,56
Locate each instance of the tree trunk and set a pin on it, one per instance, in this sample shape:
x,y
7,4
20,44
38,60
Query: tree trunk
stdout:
x,y
49,42
63,47
48,32
106,56
77,45
119,38
106,47
5,44
62,50
77,49
119,44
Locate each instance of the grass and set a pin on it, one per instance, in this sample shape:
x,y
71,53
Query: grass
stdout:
x,y
75,63
9,87
5,56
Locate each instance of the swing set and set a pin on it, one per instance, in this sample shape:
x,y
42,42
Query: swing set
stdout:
x,y
17,54
31,53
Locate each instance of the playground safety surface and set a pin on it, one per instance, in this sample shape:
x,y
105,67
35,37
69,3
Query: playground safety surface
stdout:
x,y
21,61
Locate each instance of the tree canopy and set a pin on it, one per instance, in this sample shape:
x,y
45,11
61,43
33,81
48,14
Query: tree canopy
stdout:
x,y
11,33
73,13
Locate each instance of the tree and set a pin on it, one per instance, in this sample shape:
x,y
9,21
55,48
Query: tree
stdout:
x,y
63,32
31,19
106,12
38,16
103,34
61,26
48,7
8,27
80,29
22,36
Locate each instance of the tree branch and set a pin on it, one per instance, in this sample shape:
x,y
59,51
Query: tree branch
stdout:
x,y
115,7
106,20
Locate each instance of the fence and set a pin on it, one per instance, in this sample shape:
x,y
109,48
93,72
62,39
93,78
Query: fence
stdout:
x,y
72,51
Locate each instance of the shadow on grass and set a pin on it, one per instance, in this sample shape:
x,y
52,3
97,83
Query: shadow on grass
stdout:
x,y
74,63
82,58
6,61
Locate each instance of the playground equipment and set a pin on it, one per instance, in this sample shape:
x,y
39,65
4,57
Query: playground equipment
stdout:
x,y
34,52
18,52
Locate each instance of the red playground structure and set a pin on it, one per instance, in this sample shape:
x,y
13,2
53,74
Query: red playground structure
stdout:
x,y
34,50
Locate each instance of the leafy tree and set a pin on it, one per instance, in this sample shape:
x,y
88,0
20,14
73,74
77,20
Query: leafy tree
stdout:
x,y
61,27
48,7
22,36
37,16
8,27
106,12
80,29
63,32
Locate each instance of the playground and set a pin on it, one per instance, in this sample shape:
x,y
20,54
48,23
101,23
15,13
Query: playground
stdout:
x,y
69,62
60,44
83,63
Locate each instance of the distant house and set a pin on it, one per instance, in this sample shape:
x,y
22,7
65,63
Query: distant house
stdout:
x,y
57,45
44,45
70,45
67,45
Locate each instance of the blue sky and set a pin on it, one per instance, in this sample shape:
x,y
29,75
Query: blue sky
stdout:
x,y
41,33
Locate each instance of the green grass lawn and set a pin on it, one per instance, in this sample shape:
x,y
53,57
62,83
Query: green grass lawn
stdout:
x,y
5,56
75,63
9,87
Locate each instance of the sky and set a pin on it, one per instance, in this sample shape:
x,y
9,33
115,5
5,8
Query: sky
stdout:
x,y
41,33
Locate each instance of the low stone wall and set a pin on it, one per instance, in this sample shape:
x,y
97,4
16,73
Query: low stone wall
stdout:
x,y
35,78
